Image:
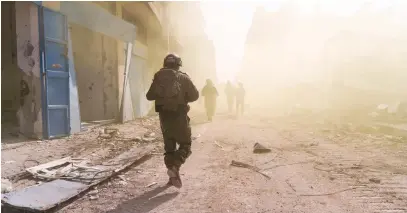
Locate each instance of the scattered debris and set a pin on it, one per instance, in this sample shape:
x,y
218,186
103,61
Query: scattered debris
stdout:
x,y
57,192
108,133
6,186
326,194
196,137
45,170
9,162
151,184
287,181
217,144
247,166
258,148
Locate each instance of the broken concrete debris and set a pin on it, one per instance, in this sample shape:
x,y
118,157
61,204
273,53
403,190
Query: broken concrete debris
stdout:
x,y
151,184
6,186
258,148
108,133
148,139
94,197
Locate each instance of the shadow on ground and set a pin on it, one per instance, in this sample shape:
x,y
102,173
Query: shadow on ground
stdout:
x,y
145,202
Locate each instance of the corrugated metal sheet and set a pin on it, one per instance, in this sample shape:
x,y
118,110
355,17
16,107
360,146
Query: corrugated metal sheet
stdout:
x,y
44,196
98,20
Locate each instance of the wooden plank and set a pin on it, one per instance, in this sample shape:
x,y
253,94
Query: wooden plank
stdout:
x,y
51,164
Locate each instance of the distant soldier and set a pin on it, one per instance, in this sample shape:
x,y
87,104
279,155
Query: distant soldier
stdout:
x,y
172,90
240,94
211,94
230,95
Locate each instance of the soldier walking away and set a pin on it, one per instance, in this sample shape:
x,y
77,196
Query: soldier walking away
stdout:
x,y
172,90
240,94
230,94
211,94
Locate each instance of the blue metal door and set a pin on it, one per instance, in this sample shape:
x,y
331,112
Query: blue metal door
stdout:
x,y
55,73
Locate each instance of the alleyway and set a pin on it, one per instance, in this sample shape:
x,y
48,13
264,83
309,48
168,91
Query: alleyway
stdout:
x,y
313,168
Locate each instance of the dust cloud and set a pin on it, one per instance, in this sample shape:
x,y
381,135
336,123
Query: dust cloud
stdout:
x,y
320,61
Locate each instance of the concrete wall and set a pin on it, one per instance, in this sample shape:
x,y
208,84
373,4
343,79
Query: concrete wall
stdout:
x,y
97,70
95,57
29,113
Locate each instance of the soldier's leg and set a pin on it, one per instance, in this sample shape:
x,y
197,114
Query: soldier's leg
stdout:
x,y
170,145
183,139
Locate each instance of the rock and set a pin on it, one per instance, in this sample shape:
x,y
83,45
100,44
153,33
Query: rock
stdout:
x,y
374,180
137,139
149,134
94,197
6,186
258,148
9,162
94,192
148,139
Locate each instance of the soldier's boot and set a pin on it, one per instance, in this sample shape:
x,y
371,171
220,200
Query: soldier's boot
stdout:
x,y
175,179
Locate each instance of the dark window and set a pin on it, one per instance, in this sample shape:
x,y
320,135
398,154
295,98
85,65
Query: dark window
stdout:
x,y
141,34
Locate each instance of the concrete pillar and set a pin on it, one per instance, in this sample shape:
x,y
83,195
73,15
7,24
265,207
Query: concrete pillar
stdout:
x,y
120,58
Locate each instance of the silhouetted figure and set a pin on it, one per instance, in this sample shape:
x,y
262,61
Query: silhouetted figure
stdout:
x,y
230,95
172,90
240,94
211,94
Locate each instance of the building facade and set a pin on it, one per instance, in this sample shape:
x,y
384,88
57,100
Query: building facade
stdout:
x,y
66,63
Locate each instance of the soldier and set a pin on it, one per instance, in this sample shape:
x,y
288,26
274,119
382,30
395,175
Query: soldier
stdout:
x,y
230,94
240,94
172,90
210,93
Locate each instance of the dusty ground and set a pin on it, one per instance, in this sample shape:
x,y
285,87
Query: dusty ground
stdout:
x,y
315,166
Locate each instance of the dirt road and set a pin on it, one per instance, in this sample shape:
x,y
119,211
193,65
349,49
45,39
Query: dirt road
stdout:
x,y
312,169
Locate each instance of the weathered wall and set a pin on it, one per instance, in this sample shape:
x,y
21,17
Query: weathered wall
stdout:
x,y
10,81
95,57
29,113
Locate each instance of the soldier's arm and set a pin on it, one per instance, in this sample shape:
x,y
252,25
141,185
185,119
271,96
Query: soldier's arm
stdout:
x,y
192,93
150,94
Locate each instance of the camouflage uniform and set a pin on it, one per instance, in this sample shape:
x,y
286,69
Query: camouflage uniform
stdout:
x,y
175,124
